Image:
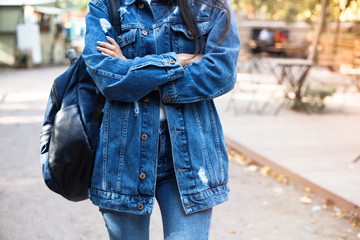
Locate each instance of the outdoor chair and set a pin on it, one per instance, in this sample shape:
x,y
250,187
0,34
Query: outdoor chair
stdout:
x,y
350,80
255,92
258,53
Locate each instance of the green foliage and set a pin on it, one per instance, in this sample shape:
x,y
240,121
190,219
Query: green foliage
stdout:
x,y
74,4
290,11
83,5
313,98
278,9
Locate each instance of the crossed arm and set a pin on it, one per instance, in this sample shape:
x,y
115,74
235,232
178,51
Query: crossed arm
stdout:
x,y
181,78
113,50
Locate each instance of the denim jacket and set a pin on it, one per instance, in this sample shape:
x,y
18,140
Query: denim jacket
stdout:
x,y
152,34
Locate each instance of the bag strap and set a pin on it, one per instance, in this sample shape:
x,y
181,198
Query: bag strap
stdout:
x,y
99,105
115,22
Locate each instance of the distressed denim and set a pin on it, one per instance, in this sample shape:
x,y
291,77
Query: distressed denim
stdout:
x,y
176,224
125,171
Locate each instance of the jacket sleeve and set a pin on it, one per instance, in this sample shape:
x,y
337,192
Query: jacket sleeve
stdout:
x,y
215,74
125,80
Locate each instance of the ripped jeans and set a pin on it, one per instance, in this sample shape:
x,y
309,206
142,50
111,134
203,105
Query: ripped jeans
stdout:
x,y
176,224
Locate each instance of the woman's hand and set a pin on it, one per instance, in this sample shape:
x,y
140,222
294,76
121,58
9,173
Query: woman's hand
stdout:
x,y
111,49
187,59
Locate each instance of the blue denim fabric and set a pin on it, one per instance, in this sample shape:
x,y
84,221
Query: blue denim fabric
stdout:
x,y
150,39
176,224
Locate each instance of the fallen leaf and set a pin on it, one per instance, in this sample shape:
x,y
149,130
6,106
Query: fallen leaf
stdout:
x,y
265,171
278,190
329,202
279,178
338,214
286,180
232,232
252,168
239,159
305,200
348,215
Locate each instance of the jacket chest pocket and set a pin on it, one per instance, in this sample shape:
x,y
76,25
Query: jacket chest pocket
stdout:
x,y
128,43
183,40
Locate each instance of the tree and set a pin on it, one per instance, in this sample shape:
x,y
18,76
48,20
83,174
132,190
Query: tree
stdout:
x,y
341,7
287,10
306,10
319,30
290,11
80,5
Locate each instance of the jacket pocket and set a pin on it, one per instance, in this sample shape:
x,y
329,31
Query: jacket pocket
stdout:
x,y
183,39
127,43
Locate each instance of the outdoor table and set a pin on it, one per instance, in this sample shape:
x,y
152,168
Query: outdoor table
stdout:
x,y
354,73
292,71
278,51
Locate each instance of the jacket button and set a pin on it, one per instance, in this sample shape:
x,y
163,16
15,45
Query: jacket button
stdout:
x,y
146,99
142,176
172,61
140,206
141,6
168,98
144,32
144,137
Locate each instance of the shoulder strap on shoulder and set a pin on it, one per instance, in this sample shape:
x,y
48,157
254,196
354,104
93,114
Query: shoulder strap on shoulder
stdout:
x,y
115,22
115,16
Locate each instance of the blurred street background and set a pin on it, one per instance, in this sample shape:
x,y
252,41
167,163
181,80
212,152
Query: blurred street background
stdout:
x,y
291,122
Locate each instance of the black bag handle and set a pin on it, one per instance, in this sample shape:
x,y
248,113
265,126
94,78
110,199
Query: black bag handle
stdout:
x,y
115,22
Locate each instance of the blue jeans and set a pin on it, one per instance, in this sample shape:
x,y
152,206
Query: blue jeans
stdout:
x,y
176,224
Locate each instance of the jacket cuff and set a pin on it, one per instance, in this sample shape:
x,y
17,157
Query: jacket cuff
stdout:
x,y
173,66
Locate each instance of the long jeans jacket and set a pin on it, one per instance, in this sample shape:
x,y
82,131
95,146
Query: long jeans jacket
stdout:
x,y
152,34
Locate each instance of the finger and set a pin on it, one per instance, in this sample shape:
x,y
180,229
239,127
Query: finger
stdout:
x,y
112,41
198,57
115,53
106,52
106,45
112,46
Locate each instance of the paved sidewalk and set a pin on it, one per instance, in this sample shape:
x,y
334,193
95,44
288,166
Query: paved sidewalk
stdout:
x,y
30,211
319,148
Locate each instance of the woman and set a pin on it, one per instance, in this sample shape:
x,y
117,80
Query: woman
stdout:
x,y
161,136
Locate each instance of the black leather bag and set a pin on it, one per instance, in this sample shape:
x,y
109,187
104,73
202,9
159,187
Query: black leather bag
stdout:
x,y
70,128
